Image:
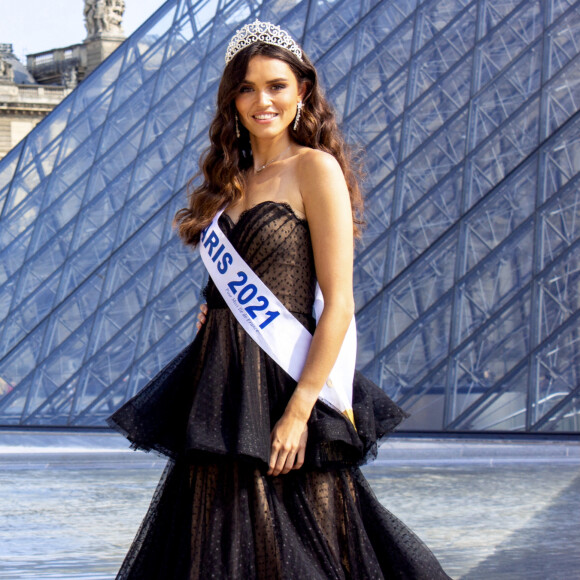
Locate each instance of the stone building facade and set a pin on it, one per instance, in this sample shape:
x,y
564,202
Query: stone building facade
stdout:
x,y
28,93
23,102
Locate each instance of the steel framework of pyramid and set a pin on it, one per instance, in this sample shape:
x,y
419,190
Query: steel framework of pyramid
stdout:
x,y
467,280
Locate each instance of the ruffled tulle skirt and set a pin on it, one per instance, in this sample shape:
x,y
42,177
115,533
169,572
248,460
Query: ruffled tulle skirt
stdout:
x,y
223,395
228,520
216,514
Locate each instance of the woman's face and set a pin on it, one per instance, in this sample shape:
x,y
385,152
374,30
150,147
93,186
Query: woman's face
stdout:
x,y
268,97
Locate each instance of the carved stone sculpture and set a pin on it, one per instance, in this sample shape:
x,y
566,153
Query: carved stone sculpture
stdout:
x,y
104,17
6,72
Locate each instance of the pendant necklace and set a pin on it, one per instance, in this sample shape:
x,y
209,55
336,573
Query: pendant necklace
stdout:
x,y
260,169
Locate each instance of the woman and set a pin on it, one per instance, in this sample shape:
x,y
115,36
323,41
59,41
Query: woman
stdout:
x,y
262,480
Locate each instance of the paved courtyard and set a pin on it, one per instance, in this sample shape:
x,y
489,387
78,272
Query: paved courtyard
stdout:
x,y
70,504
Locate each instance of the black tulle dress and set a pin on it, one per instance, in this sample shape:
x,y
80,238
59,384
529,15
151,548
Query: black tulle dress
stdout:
x,y
215,513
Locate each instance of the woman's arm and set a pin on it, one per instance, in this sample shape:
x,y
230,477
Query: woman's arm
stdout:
x,y
328,211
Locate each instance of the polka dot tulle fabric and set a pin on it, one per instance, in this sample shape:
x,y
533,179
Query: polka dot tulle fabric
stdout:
x,y
215,513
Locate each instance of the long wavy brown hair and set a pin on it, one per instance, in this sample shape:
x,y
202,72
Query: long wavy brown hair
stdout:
x,y
224,164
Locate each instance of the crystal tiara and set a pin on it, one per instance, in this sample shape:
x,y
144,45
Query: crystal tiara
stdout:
x,y
261,32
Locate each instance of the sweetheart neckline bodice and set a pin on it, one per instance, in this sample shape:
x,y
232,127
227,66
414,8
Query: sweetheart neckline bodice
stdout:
x,y
247,212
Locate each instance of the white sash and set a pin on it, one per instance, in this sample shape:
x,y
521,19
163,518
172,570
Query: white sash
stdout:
x,y
268,321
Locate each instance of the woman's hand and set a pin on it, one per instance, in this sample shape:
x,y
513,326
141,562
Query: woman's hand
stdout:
x,y
201,317
288,445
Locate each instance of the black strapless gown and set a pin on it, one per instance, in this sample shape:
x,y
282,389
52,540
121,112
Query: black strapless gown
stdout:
x,y
215,513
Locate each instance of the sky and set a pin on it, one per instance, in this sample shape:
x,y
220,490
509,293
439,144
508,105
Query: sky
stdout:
x,y
38,25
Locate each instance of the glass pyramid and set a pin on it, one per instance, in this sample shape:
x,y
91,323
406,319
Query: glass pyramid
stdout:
x,y
468,277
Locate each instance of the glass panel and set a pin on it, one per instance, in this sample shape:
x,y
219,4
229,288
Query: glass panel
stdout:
x,y
493,12
56,217
560,220
88,258
331,30
380,23
559,292
74,312
49,130
368,325
128,303
563,44
13,256
74,136
156,358
125,118
161,117
566,419
160,154
504,96
507,41
47,158
8,166
510,145
128,277
378,210
432,17
320,9
115,161
556,7
97,84
492,352
561,158
6,294
442,53
496,281
501,407
336,65
426,403
147,203
204,11
407,361
23,320
500,214
381,156
110,363
422,226
420,287
188,162
562,96
432,162
437,106
130,257
56,410
153,29
202,117
182,33
3,197
23,185
21,220
43,265
557,368
368,122
79,160
179,302
94,216
22,360
104,404
369,274
381,65
12,401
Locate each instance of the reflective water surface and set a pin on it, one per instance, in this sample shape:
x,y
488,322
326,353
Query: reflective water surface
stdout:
x,y
72,515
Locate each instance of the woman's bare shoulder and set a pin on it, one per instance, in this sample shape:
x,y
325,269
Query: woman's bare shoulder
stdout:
x,y
317,160
317,169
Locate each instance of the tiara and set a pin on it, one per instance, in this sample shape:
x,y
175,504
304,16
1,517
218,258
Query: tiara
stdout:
x,y
261,32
